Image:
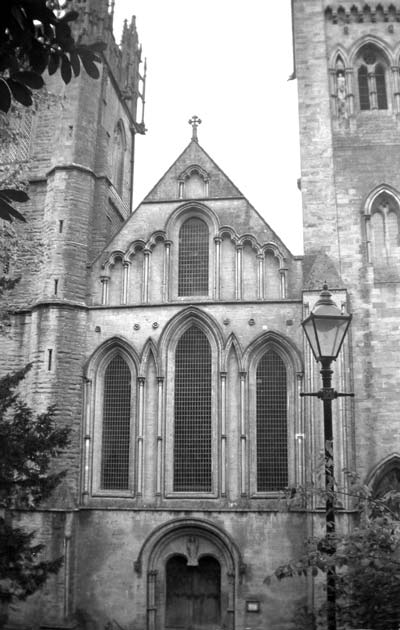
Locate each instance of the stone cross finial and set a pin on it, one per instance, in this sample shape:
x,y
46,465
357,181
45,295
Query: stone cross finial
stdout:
x,y
195,122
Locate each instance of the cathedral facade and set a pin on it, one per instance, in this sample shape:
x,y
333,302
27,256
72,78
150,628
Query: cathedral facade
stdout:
x,y
170,339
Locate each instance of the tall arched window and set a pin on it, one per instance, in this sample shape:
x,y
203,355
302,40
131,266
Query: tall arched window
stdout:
x,y
386,483
192,429
118,157
116,439
385,221
372,78
271,421
193,258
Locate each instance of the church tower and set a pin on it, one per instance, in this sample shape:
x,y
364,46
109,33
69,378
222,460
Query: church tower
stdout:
x,y
347,66
77,155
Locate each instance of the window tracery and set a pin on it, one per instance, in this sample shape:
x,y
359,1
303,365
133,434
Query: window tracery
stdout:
x,y
385,216
372,78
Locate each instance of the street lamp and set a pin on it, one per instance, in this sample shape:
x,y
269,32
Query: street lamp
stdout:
x,y
325,329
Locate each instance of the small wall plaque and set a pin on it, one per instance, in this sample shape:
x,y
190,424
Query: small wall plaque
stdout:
x,y
252,606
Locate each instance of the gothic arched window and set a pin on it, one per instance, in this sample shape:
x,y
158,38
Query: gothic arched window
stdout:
x,y
118,157
116,426
372,78
192,410
271,421
193,258
386,488
385,220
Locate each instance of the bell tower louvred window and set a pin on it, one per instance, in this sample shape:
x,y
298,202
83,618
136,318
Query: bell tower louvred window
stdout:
x,y
372,78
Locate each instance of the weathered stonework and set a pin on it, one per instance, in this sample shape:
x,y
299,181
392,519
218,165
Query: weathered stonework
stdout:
x,y
97,279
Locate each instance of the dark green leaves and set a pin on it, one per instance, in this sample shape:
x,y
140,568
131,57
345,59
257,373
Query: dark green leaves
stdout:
x,y
34,39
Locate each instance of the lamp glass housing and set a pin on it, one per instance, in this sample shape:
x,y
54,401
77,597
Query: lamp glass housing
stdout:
x,y
325,329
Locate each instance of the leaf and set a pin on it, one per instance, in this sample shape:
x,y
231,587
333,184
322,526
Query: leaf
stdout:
x,y
70,16
7,211
5,96
75,63
38,57
66,72
15,195
89,66
63,35
20,92
29,78
53,62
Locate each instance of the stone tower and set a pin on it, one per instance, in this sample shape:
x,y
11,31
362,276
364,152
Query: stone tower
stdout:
x,y
347,66
79,148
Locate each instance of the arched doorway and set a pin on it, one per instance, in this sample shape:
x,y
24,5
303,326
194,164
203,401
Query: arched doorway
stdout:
x,y
192,569
193,594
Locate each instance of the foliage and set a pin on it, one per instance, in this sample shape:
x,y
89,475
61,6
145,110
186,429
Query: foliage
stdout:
x,y
28,444
35,36
365,561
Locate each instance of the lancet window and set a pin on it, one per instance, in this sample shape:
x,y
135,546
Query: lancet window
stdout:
x,y
271,421
385,216
116,442
118,157
192,413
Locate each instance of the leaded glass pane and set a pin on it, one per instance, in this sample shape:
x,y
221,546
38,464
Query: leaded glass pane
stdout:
x,y
272,442
193,258
116,426
192,434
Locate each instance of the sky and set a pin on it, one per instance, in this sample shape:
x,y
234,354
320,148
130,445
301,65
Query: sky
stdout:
x,y
228,62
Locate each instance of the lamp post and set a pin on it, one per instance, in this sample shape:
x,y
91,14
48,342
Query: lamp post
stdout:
x,y
325,329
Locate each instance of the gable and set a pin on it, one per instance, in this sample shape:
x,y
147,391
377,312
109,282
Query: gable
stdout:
x,y
194,175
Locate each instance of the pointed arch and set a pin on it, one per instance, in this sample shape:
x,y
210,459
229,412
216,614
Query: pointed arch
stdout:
x,y
149,350
273,364
111,377
371,40
381,214
372,60
183,320
277,341
111,345
183,537
339,56
190,347
118,156
232,344
381,470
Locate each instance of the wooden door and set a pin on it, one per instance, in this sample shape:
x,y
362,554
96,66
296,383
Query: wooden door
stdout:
x,y
193,599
